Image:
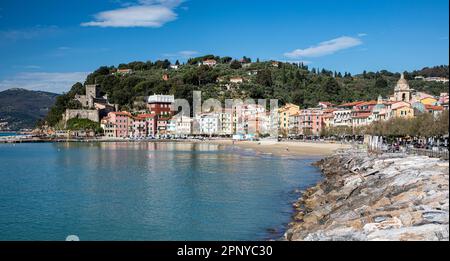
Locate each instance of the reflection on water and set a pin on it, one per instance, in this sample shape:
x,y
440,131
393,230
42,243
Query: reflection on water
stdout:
x,y
145,191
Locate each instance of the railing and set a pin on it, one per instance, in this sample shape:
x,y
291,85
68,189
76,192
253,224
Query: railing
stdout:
x,y
442,154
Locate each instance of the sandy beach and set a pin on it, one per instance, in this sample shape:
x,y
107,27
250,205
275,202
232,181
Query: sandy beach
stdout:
x,y
286,148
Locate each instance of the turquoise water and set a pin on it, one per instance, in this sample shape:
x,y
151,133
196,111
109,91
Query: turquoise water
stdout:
x,y
3,134
146,191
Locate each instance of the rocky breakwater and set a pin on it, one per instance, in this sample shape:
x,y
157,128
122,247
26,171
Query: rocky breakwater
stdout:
x,y
368,197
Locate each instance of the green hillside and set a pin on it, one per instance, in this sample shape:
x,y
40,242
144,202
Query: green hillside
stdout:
x,y
22,109
295,83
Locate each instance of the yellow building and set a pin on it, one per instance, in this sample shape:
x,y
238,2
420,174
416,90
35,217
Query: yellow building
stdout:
x,y
403,112
284,113
429,101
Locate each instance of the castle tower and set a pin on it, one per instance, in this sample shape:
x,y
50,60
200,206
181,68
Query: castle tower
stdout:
x,y
402,90
91,94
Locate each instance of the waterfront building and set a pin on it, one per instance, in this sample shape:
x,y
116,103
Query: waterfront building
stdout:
x,y
342,118
161,105
226,123
162,124
180,125
362,114
283,115
310,121
144,125
117,124
294,124
209,123
361,119
253,119
327,118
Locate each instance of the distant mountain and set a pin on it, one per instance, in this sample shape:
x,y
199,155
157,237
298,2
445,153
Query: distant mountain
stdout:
x,y
21,108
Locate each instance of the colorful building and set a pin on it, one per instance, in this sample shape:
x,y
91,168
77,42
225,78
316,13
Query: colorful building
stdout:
x,y
310,121
400,110
161,105
284,113
429,101
117,124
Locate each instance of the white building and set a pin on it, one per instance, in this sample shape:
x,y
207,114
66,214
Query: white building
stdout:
x,y
226,124
209,62
436,79
180,125
161,99
209,123
236,80
342,117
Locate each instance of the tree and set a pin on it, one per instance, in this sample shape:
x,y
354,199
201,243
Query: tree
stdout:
x,y
246,59
235,65
332,89
264,78
226,59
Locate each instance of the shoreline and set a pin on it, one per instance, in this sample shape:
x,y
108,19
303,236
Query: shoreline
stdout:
x,y
365,197
268,147
284,148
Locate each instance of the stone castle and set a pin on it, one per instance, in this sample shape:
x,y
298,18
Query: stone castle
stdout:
x,y
94,106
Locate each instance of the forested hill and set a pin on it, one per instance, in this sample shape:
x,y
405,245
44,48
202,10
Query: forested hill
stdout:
x,y
22,108
286,82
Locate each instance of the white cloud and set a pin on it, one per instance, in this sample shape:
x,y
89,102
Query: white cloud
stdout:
x,y
188,53
147,13
43,81
28,33
182,54
325,48
362,34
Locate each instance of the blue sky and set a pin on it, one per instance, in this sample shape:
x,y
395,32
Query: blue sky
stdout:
x,y
50,44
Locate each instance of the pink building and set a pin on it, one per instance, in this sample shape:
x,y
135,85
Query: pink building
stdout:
x,y
310,121
144,125
124,125
117,124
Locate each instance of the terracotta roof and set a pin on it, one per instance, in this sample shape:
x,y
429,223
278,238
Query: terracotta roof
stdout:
x,y
362,115
351,104
434,108
402,106
368,103
145,116
121,113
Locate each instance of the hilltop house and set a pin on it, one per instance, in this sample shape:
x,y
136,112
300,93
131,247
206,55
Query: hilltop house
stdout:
x,y
209,62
